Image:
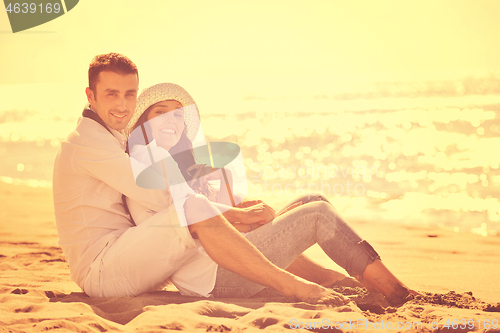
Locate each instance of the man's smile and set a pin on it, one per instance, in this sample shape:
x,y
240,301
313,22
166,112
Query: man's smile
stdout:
x,y
119,115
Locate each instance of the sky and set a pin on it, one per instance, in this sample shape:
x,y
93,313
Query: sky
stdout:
x,y
221,50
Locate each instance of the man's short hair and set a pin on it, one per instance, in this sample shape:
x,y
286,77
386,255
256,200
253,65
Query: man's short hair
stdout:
x,y
111,62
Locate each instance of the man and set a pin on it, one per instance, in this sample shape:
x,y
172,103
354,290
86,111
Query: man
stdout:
x,y
109,256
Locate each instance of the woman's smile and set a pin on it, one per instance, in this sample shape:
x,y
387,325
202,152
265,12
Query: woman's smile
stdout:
x,y
168,130
167,123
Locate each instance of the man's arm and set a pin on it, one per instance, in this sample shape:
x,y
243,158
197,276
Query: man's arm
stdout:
x,y
102,158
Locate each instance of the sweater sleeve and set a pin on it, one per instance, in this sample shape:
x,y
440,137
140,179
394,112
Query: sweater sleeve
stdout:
x,y
103,159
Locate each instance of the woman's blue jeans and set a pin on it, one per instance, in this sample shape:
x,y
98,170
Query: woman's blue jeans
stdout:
x,y
289,235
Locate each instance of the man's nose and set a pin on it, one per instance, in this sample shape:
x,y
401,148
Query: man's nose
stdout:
x,y
121,104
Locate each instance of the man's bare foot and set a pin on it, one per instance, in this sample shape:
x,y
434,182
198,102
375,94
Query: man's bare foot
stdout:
x,y
346,282
310,292
331,277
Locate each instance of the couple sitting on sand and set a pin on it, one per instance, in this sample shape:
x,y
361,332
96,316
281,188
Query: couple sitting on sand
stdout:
x,y
185,234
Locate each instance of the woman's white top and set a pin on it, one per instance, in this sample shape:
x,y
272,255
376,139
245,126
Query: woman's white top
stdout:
x,y
187,279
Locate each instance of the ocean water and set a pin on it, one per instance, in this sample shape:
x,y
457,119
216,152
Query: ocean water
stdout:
x,y
412,158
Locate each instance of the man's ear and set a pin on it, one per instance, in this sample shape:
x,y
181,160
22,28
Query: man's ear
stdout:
x,y
90,94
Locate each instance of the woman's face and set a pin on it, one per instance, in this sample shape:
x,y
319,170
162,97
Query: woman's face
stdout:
x,y
167,123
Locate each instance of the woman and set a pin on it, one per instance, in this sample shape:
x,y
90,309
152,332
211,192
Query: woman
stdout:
x,y
166,119
164,131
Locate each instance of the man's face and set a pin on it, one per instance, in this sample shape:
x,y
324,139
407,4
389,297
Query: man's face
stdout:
x,y
114,98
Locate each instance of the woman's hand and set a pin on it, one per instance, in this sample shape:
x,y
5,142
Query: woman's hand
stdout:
x,y
248,203
255,213
260,213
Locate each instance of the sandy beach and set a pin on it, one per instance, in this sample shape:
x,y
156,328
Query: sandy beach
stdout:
x,y
459,271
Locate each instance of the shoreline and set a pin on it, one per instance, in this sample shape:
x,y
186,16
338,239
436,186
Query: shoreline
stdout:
x,y
45,184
